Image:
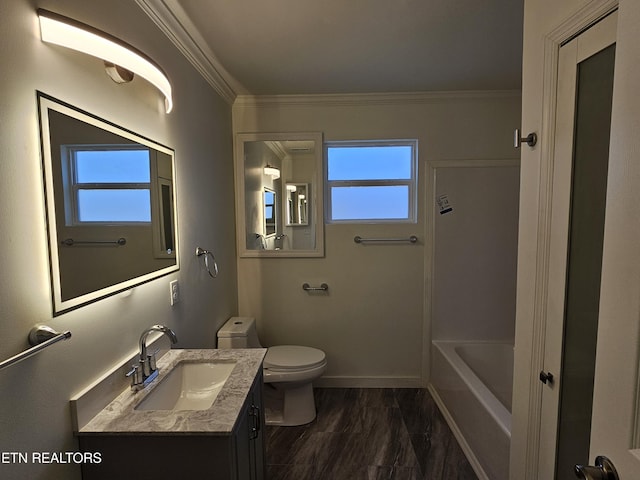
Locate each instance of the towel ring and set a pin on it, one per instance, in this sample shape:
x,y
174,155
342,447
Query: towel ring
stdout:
x,y
200,252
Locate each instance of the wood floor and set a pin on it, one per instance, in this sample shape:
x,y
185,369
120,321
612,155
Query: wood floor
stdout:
x,y
368,434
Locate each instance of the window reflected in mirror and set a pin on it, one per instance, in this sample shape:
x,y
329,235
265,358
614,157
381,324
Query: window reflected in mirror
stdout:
x,y
107,183
269,212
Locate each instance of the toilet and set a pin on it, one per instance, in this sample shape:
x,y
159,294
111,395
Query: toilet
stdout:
x,y
289,371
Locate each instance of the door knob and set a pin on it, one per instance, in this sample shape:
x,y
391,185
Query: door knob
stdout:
x,y
603,470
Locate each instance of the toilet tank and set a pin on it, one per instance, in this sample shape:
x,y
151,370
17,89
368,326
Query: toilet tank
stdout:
x,y
239,332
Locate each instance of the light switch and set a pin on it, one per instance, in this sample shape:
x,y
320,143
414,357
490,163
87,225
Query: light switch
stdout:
x,y
174,290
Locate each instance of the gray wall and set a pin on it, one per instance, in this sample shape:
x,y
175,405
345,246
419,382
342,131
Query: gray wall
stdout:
x,y
34,406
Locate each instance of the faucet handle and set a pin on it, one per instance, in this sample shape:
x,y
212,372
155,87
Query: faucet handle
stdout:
x,y
134,373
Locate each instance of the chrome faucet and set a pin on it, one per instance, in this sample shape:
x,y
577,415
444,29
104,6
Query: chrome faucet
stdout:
x,y
146,370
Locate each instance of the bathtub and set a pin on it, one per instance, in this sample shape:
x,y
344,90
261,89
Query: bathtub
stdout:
x,y
472,384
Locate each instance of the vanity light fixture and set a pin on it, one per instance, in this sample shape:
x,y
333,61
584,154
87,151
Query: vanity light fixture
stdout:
x,y
119,57
272,171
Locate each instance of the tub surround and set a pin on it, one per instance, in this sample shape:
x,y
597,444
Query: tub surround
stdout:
x,y
120,417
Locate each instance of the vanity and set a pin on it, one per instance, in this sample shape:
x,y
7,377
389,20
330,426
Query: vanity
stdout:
x,y
202,417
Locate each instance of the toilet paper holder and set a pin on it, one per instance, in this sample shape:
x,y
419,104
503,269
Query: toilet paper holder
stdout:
x,y
308,288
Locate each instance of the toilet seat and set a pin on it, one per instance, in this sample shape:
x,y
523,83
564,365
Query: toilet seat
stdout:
x,y
287,358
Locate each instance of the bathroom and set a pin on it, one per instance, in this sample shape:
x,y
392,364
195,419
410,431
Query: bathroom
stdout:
x,y
397,294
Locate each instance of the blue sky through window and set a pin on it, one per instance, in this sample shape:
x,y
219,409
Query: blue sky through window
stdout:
x,y
114,205
112,185
388,162
112,166
370,203
371,182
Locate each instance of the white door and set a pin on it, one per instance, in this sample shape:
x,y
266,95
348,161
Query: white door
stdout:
x,y
578,215
590,402
616,420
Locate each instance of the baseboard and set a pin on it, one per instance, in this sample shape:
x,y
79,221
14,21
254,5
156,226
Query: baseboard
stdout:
x,y
369,382
466,449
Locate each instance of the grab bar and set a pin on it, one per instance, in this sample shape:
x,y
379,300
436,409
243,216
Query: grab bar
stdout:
x,y
40,337
70,242
411,239
308,288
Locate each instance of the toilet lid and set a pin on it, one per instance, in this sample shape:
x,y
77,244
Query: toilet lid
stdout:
x,y
292,357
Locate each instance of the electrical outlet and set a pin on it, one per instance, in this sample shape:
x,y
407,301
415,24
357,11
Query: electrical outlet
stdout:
x,y
174,291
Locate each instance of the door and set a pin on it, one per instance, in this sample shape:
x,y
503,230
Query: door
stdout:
x,y
615,419
578,215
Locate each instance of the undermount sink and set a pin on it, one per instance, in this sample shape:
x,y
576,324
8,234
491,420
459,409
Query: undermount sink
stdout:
x,y
189,386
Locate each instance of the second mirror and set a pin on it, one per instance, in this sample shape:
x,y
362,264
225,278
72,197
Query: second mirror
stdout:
x,y
279,194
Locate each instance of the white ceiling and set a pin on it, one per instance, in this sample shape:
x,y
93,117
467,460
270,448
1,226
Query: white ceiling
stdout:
x,y
267,47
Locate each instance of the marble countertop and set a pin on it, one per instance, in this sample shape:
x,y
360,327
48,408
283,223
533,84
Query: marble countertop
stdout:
x,y
120,417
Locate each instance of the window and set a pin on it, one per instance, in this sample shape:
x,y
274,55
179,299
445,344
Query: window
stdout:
x,y
371,181
107,184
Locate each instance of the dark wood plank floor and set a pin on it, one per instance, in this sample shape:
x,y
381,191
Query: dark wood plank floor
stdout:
x,y
368,434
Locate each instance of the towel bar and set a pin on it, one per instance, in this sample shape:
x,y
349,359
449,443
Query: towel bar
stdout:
x,y
206,253
70,242
411,239
40,337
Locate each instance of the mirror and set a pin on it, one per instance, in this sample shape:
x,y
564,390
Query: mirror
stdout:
x,y
297,206
110,201
279,206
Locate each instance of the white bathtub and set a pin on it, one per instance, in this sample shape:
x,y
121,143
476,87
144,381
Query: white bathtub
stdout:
x,y
472,384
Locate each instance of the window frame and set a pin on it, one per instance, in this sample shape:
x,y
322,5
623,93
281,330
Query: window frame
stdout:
x,y
411,183
72,186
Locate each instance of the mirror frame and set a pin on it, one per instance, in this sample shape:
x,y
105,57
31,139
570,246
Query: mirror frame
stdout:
x,y
46,102
315,208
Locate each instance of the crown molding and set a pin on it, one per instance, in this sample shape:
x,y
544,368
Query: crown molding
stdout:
x,y
169,16
172,20
362,99
276,148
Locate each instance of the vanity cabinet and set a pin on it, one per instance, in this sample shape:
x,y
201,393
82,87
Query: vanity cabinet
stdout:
x,y
248,438
238,455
